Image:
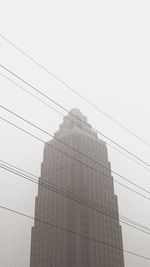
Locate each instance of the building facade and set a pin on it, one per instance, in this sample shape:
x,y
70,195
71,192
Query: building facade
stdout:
x,y
81,210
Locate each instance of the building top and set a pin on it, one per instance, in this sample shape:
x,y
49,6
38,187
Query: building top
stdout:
x,y
75,121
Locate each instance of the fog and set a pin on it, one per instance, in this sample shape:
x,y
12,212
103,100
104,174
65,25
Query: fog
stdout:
x,y
100,48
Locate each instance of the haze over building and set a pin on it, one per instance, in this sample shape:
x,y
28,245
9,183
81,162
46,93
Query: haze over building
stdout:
x,y
88,182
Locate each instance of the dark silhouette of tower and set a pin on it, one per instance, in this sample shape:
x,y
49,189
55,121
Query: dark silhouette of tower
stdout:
x,y
55,247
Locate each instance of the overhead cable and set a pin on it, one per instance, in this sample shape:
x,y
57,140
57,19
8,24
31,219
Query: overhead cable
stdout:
x,y
74,233
85,123
52,74
75,159
62,191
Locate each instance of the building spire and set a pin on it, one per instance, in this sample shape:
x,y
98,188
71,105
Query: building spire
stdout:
x,y
75,121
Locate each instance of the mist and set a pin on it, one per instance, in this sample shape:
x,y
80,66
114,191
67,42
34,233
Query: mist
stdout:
x,y
100,48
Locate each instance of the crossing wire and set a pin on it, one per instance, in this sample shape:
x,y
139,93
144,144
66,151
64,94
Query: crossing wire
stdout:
x,y
74,233
74,149
75,91
75,159
68,118
85,123
60,190
87,100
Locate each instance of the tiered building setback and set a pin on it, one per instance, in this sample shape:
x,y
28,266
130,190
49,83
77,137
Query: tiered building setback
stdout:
x,y
99,243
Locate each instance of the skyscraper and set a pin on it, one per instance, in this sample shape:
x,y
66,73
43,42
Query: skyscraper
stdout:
x,y
81,228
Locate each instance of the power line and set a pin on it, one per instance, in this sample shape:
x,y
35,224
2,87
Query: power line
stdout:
x,y
36,97
19,213
62,188
74,149
76,92
56,103
57,189
60,113
74,233
66,154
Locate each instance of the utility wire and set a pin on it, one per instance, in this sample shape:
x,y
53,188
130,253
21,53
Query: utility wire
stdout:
x,y
74,149
122,126
74,233
75,91
60,190
62,107
67,155
68,118
13,167
36,97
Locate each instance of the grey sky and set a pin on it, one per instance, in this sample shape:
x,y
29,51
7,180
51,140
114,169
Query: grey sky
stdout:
x,y
101,48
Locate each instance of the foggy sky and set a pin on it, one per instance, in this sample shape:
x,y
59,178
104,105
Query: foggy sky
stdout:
x,y
101,48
